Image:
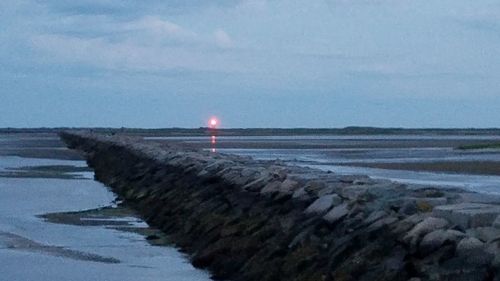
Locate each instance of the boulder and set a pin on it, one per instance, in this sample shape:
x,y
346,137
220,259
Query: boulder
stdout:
x,y
278,173
271,187
467,215
468,244
496,222
249,172
383,222
288,186
323,204
375,216
325,191
433,201
480,198
314,186
336,213
352,178
486,233
353,192
256,185
301,194
426,226
435,239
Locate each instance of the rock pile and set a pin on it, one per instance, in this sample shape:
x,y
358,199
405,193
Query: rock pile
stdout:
x,y
263,220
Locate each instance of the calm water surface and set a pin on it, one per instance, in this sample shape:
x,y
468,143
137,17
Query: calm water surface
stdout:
x,y
327,152
33,249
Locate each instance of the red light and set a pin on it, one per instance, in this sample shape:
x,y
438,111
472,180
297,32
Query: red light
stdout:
x,y
213,122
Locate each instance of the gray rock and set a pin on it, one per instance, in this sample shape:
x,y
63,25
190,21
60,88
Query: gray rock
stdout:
x,y
352,178
353,192
203,173
496,222
427,225
218,165
249,172
435,239
271,187
480,198
256,185
494,249
314,186
301,194
323,204
468,244
278,173
364,180
336,213
235,177
288,186
375,216
385,221
325,191
408,207
433,201
485,234
468,215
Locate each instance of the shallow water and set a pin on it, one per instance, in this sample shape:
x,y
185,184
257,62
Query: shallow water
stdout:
x,y
34,249
328,152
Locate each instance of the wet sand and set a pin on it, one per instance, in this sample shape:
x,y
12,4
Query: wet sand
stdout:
x,y
55,218
45,146
119,217
20,243
47,172
463,167
413,159
413,153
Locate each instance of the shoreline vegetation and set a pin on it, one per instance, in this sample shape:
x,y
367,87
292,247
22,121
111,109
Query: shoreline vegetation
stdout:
x,y
203,131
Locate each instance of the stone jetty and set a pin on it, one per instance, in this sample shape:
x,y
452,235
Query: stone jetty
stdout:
x,y
245,219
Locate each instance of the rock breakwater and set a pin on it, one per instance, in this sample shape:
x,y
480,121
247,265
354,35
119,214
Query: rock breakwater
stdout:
x,y
262,220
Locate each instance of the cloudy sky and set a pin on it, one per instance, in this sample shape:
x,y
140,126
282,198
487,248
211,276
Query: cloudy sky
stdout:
x,y
253,63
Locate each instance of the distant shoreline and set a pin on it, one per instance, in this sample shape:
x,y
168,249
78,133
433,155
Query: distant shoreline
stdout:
x,y
203,131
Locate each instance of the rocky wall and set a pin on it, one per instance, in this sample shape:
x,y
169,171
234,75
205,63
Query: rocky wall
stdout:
x,y
262,220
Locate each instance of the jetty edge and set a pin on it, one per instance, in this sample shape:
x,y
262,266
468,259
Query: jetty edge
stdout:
x,y
245,219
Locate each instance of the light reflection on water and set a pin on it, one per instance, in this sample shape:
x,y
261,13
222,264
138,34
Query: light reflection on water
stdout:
x,y
213,143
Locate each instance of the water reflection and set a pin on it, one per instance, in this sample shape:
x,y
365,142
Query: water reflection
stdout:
x,y
213,143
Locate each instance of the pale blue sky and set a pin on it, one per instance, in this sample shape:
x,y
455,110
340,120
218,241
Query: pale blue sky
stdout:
x,y
253,63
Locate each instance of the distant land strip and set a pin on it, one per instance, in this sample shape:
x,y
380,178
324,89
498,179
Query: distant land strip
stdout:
x,y
203,131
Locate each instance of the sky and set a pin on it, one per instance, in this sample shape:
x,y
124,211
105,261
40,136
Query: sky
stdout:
x,y
251,63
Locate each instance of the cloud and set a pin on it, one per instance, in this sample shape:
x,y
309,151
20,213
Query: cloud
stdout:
x,y
148,43
159,29
222,39
132,55
102,53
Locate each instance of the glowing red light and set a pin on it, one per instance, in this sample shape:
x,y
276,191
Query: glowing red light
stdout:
x,y
213,122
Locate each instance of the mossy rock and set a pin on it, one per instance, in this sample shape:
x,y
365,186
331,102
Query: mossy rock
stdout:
x,y
424,207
